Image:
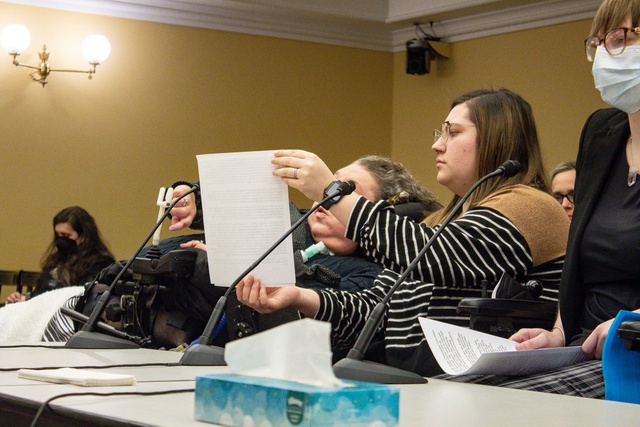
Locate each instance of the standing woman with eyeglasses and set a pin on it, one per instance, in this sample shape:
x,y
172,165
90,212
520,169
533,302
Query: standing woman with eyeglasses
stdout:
x,y
509,225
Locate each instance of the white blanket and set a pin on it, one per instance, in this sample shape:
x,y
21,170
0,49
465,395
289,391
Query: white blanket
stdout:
x,y
25,321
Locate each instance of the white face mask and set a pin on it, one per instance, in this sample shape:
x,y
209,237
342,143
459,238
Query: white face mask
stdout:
x,y
618,78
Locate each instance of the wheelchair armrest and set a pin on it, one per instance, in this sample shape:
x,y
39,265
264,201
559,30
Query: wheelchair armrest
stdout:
x,y
503,317
629,331
508,307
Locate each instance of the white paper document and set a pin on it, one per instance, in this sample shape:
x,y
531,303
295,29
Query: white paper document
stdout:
x,y
79,377
245,210
462,351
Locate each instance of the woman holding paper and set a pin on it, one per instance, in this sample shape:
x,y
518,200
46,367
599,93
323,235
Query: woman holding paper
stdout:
x,y
341,265
508,225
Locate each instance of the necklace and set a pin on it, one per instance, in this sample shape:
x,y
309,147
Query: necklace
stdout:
x,y
633,171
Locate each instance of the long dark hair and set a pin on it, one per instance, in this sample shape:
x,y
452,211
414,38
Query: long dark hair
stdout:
x,y
506,131
91,250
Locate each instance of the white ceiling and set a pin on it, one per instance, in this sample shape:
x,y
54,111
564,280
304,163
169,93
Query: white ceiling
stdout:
x,y
371,24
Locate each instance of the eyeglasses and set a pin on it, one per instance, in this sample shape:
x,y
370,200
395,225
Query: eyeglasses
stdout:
x,y
446,131
560,197
614,41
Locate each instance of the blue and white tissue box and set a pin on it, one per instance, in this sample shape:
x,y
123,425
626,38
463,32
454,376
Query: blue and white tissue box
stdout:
x,y
237,400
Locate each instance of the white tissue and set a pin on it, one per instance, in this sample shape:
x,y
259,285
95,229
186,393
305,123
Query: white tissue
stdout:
x,y
297,351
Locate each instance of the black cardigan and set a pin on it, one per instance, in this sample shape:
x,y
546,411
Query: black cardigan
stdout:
x,y
604,134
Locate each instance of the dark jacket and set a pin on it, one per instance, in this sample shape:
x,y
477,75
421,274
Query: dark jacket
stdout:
x,y
604,134
47,283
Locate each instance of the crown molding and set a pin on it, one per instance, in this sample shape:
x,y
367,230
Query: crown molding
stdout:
x,y
505,21
383,25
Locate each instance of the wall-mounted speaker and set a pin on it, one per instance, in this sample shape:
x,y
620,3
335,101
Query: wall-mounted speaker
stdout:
x,y
418,57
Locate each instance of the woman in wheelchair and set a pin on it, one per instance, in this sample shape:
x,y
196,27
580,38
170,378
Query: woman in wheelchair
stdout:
x,y
343,265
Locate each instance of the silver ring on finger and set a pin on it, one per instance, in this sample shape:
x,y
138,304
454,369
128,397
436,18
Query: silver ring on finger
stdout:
x,y
295,173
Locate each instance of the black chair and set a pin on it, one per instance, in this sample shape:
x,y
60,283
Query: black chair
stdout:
x,y
27,280
516,306
8,278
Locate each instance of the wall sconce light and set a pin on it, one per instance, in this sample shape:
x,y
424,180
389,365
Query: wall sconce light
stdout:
x,y
15,39
422,50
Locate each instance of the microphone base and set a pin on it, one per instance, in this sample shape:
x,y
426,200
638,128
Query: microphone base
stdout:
x,y
95,340
362,370
203,355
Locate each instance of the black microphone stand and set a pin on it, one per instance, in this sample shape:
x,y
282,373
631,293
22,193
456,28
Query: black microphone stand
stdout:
x,y
353,367
202,353
87,337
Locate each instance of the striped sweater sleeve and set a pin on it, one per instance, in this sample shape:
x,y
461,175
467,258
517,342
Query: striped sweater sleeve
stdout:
x,y
480,245
348,311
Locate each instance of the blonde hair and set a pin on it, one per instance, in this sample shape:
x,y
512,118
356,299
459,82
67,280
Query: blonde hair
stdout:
x,y
611,13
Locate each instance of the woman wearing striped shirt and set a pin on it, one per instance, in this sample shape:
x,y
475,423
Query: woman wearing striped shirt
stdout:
x,y
509,225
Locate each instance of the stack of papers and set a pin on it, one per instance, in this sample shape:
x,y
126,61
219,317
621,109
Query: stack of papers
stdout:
x,y
462,351
79,377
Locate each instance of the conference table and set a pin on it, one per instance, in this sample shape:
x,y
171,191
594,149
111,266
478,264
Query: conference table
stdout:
x,y
437,403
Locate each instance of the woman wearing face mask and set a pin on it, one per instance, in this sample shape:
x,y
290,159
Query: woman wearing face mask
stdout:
x,y
76,254
601,272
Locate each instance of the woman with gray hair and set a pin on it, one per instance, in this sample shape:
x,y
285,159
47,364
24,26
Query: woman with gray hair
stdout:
x,y
563,179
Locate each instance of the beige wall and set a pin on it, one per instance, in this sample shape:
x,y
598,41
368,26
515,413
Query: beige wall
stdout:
x,y
547,66
168,93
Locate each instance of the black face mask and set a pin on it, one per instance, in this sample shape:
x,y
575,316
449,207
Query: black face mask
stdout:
x,y
65,245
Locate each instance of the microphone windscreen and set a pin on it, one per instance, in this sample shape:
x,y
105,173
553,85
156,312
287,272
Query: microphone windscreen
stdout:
x,y
347,187
535,288
510,168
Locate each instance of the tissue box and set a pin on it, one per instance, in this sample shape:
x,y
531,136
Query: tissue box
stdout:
x,y
236,400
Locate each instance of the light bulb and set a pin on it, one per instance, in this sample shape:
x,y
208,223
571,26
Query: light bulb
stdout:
x,y
96,48
15,38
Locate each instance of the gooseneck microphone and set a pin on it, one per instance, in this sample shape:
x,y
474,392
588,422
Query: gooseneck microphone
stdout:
x,y
507,170
202,353
86,337
353,367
